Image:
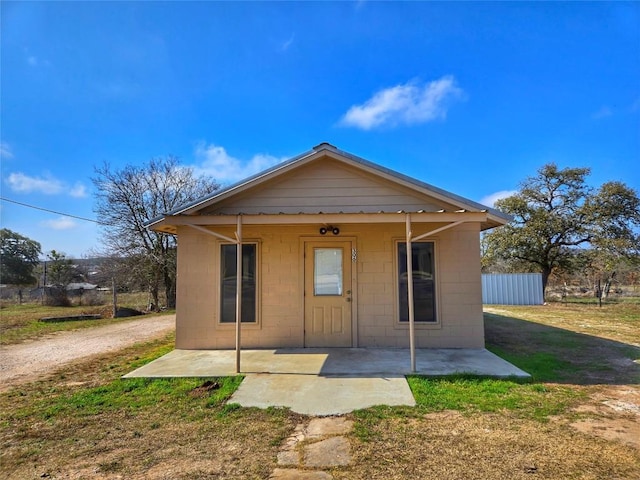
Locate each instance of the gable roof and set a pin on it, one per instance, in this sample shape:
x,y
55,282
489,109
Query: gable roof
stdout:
x,y
412,189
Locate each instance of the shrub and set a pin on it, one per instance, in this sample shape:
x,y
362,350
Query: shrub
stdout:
x,y
56,297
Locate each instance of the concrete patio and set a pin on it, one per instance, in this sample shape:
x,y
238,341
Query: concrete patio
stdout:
x,y
330,381
348,362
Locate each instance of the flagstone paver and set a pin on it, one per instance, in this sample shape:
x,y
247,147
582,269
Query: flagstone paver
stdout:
x,y
325,426
318,444
332,452
289,458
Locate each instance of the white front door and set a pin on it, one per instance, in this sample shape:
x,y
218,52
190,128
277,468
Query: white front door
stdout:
x,y
327,301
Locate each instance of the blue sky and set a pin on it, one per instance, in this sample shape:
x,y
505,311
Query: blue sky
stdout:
x,y
470,97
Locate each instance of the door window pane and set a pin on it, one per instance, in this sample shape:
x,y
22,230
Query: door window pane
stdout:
x,y
424,299
327,271
228,283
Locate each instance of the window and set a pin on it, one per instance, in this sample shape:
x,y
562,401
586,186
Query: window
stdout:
x,y
228,283
327,271
424,298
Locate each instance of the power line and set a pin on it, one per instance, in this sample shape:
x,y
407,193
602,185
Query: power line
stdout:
x,y
53,211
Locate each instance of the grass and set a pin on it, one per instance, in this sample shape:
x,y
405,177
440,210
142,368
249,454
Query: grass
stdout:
x,y
474,394
85,422
458,445
569,343
613,321
465,427
22,322
131,396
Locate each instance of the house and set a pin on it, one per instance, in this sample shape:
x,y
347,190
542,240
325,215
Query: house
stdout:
x,y
324,260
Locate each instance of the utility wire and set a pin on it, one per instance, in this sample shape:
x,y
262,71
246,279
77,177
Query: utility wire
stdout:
x,y
52,211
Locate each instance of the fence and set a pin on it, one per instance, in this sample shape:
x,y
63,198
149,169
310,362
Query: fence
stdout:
x,y
512,288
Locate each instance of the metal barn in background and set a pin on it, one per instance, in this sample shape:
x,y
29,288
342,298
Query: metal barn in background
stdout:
x,y
512,289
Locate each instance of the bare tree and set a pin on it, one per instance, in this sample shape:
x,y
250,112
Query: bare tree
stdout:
x,y
128,198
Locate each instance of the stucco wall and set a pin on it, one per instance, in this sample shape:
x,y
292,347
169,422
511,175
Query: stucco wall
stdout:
x,y
280,285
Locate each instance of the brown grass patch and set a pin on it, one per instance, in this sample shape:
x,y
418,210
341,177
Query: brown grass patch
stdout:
x,y
615,321
450,445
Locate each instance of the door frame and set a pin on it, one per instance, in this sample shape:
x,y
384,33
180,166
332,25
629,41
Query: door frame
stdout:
x,y
354,279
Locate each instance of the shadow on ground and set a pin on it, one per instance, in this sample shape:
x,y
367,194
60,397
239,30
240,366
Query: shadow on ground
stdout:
x,y
552,354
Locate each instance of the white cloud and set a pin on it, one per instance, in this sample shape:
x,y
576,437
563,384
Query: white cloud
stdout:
x,y
5,150
287,43
604,112
34,61
60,223
78,191
19,182
491,199
359,4
215,161
409,104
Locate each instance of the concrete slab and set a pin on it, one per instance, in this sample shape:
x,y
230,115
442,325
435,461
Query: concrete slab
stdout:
x,y
331,361
321,395
330,381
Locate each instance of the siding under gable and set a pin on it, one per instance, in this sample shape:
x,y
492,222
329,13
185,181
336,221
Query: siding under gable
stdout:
x,y
326,186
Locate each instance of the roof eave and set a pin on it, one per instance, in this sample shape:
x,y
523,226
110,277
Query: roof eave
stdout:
x,y
495,217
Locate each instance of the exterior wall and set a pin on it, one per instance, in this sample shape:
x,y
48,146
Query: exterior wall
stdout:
x,y
280,285
330,187
280,309
458,290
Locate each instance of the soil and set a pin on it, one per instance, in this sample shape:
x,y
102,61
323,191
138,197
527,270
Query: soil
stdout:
x,y
612,412
25,362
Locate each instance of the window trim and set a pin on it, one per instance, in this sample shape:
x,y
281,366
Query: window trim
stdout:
x,y
398,324
218,311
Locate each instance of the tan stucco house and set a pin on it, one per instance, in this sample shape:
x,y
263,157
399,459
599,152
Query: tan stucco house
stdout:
x,y
324,259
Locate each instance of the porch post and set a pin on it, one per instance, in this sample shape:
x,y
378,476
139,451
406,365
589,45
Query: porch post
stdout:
x,y
238,289
412,336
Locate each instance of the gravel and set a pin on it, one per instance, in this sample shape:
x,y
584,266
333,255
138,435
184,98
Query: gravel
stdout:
x,y
31,360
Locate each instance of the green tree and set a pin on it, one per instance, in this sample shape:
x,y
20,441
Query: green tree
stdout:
x,y
128,198
18,258
555,212
60,271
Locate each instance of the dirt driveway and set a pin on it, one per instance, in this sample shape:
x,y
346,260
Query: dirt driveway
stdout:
x,y
31,360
